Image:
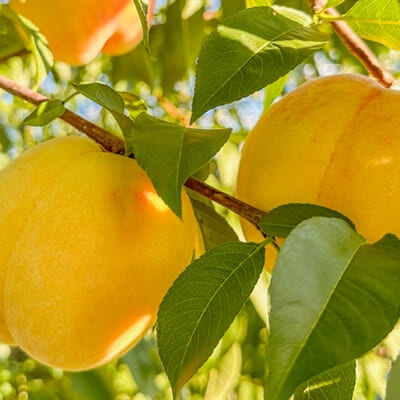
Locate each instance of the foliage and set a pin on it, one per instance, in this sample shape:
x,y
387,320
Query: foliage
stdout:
x,y
333,296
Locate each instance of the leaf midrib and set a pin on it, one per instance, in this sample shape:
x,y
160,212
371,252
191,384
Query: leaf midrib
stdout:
x,y
268,43
212,299
300,349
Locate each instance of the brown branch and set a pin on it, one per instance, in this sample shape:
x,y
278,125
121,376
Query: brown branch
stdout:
x,y
356,46
116,145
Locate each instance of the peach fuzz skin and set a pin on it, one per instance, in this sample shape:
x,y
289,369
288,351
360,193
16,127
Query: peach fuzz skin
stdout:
x,y
334,141
77,30
88,252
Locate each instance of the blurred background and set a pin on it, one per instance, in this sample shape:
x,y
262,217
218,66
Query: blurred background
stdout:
x,y
164,79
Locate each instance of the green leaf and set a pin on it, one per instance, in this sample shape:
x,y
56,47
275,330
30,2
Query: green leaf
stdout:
x,y
333,298
170,153
134,104
333,3
202,303
230,7
274,90
45,113
102,94
214,228
11,42
336,383
252,49
257,3
141,8
393,385
283,219
111,100
37,45
377,20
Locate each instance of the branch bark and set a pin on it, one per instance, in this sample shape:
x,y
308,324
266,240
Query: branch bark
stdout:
x,y
114,144
356,46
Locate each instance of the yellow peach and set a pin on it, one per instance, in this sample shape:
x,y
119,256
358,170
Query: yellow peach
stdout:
x,y
334,141
77,30
88,250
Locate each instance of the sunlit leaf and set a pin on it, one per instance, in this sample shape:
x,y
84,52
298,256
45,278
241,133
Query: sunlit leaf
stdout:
x,y
377,20
45,113
274,90
333,3
336,383
252,49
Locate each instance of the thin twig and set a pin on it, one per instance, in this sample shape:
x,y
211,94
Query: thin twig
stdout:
x,y
116,145
356,46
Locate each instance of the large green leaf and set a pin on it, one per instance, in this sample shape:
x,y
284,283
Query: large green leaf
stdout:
x,y
170,153
281,220
252,49
202,303
333,298
377,20
393,386
336,383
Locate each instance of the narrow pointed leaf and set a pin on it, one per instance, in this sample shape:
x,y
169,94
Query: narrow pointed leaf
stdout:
x,y
393,385
252,49
282,220
336,383
202,303
377,20
37,43
170,153
333,298
274,90
45,113
142,9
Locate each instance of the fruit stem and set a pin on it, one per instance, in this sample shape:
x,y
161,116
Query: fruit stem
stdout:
x,y
354,43
116,145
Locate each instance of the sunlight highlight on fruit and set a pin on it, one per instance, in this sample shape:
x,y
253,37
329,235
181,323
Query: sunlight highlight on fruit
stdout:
x,y
156,201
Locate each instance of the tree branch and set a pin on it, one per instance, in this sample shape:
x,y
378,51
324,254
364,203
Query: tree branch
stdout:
x,y
356,46
116,145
